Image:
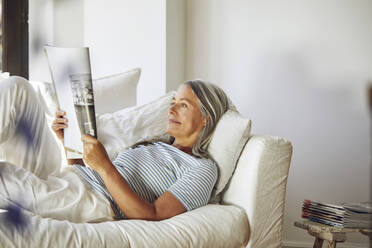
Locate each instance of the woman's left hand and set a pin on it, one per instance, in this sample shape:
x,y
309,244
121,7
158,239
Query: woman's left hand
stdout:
x,y
95,154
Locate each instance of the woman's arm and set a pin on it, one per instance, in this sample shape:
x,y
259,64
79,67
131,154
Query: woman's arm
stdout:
x,y
71,161
129,202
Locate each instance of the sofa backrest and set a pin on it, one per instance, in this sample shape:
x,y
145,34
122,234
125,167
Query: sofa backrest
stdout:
x,y
259,185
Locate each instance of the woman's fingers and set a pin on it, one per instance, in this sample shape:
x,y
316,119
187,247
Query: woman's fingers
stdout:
x,y
60,113
62,125
60,120
88,139
57,126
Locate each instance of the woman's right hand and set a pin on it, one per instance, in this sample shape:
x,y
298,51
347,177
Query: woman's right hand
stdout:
x,y
59,124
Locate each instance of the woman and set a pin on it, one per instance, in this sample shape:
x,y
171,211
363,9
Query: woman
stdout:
x,y
152,182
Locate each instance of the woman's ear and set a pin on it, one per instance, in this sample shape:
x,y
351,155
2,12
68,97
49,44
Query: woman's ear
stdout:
x,y
204,122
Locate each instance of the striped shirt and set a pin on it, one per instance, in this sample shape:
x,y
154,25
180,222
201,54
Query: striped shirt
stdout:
x,y
152,169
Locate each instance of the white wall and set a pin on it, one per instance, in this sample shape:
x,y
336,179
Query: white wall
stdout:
x,y
124,34
56,23
68,23
175,43
299,70
40,34
121,35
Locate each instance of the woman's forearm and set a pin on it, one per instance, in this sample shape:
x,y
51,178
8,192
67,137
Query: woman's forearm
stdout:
x,y
75,161
129,202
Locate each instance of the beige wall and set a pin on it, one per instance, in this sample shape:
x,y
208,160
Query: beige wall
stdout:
x,y
299,70
40,34
68,23
175,43
121,35
55,22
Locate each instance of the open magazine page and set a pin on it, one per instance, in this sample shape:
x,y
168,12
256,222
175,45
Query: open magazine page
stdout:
x,y
71,75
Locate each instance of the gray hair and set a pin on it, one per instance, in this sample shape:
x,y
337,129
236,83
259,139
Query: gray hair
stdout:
x,y
213,103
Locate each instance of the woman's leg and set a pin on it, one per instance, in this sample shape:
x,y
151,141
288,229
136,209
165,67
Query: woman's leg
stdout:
x,y
25,138
65,197
34,184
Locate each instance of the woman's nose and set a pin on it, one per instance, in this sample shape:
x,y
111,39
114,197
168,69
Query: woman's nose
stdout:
x,y
173,109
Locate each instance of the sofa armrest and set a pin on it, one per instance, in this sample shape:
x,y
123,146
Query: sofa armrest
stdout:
x,y
259,186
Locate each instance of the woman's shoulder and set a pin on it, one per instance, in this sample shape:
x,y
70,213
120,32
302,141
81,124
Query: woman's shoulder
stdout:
x,y
209,163
206,169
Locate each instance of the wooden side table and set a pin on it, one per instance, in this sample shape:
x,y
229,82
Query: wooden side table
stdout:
x,y
331,234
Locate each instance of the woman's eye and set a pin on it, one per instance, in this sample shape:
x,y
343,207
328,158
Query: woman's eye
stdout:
x,y
184,105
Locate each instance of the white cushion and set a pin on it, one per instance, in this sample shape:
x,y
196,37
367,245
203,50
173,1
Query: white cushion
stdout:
x,y
111,93
116,92
121,129
231,134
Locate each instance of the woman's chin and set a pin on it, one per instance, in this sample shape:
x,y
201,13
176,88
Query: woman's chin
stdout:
x,y
171,131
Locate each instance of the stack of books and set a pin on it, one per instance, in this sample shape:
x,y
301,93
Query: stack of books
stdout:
x,y
343,215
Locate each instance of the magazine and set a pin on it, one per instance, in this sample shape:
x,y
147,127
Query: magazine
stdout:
x,y
72,80
343,215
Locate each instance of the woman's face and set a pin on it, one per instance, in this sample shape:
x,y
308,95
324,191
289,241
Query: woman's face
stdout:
x,y
185,119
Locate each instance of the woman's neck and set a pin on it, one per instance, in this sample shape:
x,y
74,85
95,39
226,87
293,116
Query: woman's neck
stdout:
x,y
187,150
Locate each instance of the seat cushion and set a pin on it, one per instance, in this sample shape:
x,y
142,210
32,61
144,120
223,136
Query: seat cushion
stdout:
x,y
208,226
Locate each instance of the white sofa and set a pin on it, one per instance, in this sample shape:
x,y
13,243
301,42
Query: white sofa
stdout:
x,y
250,214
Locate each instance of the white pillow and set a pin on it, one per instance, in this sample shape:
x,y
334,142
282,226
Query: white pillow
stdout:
x,y
111,93
124,128
116,92
229,138
121,129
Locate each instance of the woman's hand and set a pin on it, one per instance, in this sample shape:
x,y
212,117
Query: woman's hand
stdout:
x,y
59,124
95,154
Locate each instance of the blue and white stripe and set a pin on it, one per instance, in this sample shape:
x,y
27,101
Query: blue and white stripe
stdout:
x,y
155,168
